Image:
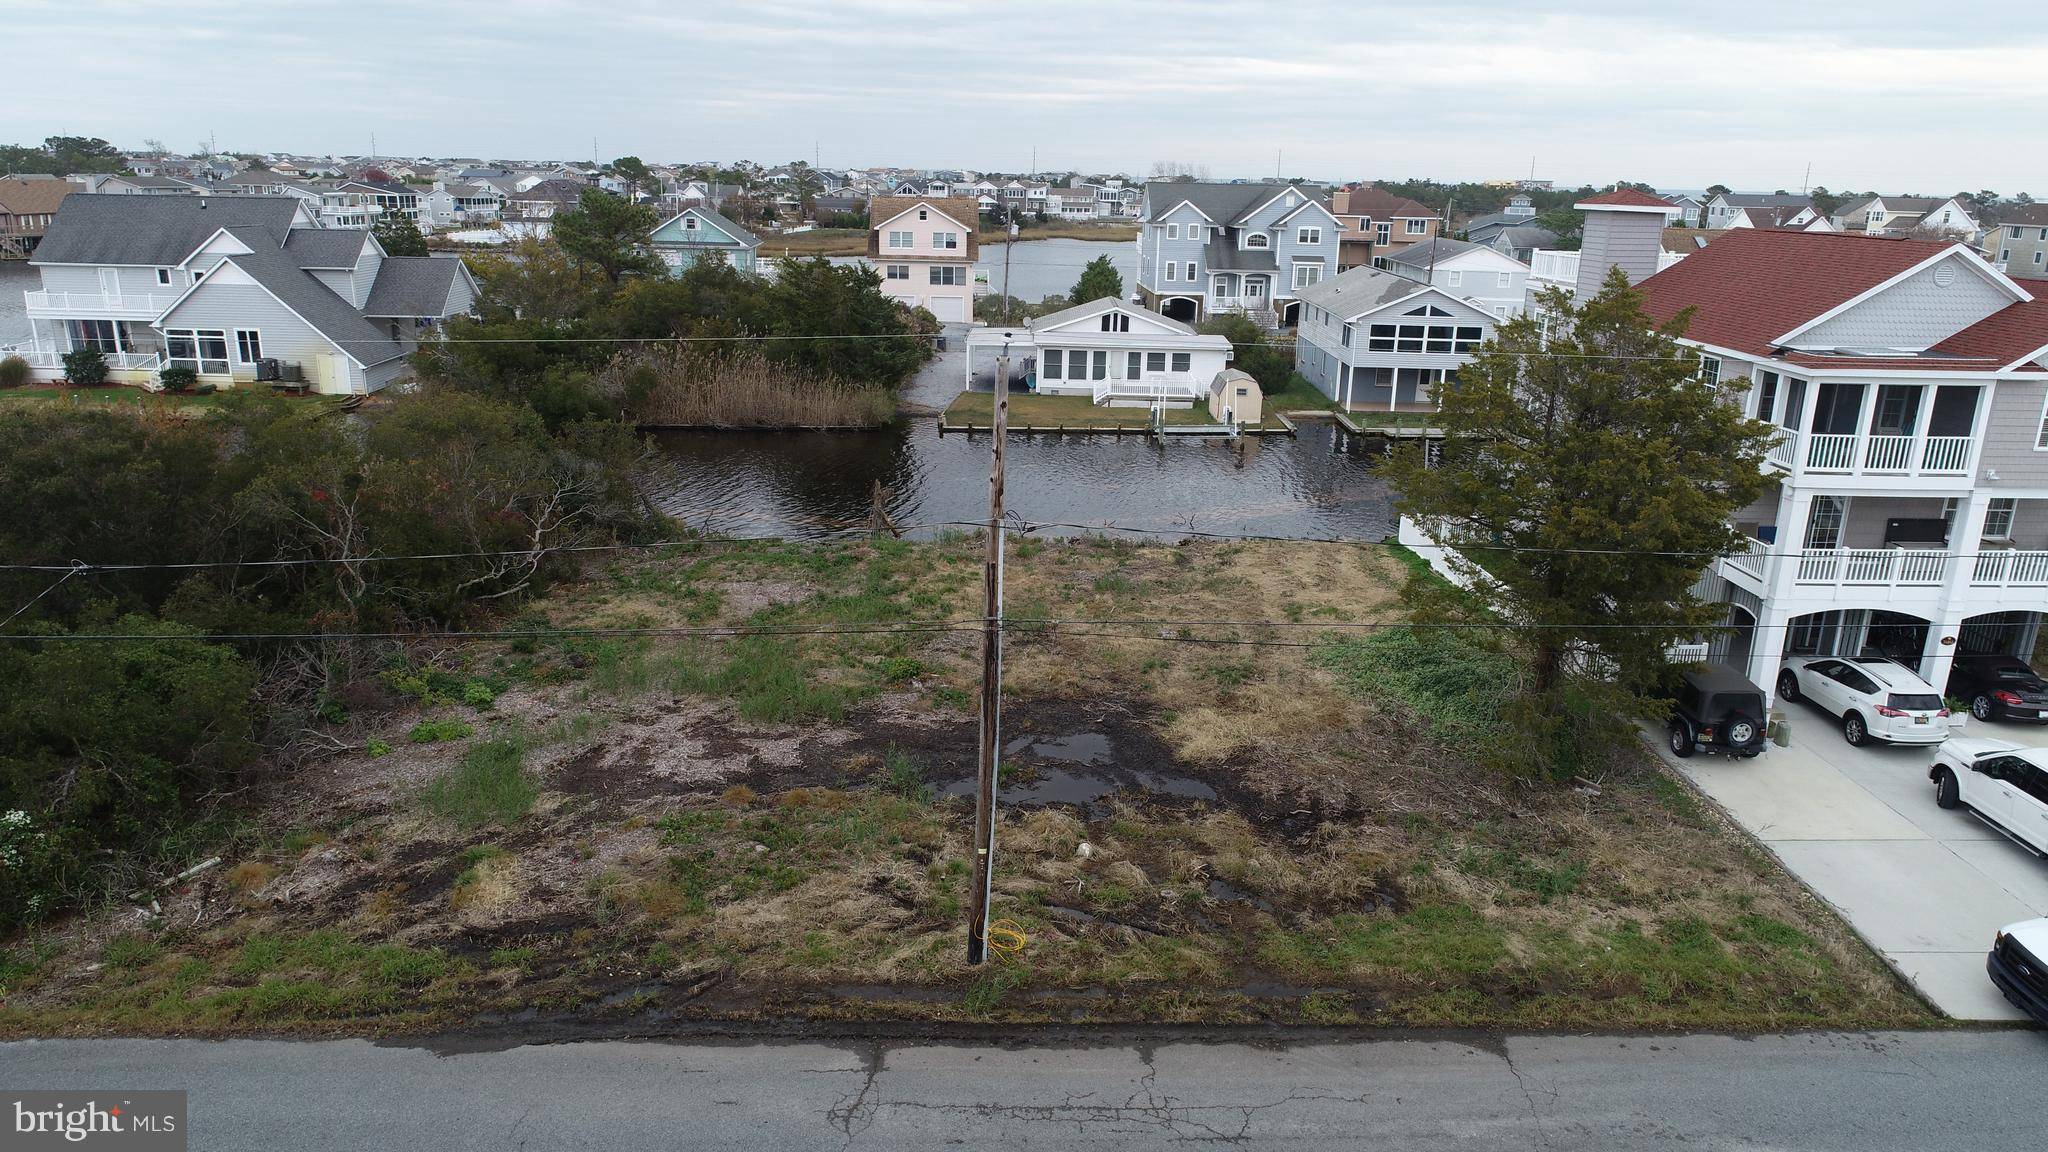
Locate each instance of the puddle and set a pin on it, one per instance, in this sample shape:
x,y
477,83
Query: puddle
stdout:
x,y
1079,769
1223,890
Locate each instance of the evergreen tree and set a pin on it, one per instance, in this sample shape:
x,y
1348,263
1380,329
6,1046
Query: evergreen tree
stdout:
x,y
609,234
1585,478
400,235
1099,279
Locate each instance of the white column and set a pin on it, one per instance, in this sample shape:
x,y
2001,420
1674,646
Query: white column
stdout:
x,y
1954,606
1767,650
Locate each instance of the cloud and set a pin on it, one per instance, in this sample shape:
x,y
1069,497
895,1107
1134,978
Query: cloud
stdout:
x,y
1887,95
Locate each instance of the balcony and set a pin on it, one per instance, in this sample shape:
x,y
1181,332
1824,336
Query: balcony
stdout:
x,y
46,305
1851,454
2010,569
117,361
1867,567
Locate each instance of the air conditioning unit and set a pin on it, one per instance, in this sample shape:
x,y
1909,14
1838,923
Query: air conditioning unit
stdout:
x,y
267,368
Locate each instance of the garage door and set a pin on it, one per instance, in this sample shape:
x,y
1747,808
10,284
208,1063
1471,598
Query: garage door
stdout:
x,y
951,309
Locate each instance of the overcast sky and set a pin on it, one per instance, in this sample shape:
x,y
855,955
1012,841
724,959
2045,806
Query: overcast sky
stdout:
x,y
1878,95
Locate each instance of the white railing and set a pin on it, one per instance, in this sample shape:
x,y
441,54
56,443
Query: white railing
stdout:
x,y
139,303
1558,267
1831,452
1784,450
1750,561
2010,569
1901,567
1151,389
1888,454
1946,455
120,361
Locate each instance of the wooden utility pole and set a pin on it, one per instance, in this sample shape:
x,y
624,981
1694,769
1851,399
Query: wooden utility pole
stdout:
x,y
991,678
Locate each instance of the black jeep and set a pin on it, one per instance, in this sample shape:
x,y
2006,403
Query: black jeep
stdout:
x,y
1714,708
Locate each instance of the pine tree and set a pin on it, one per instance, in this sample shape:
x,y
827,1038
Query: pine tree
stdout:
x,y
399,235
608,233
1586,477
1099,279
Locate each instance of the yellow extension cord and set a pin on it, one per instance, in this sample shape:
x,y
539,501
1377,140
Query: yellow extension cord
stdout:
x,y
1006,937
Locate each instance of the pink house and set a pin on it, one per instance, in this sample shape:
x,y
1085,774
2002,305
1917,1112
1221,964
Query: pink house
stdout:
x,y
925,247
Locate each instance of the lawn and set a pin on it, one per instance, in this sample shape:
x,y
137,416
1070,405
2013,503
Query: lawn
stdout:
x,y
774,826
121,394
1038,411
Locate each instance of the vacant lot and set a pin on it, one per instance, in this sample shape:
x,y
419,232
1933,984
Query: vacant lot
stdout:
x,y
661,825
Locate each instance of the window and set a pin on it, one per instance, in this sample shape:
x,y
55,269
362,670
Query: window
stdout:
x,y
204,351
1457,279
1307,274
1345,337
248,345
97,335
1181,361
2041,437
1170,272
945,239
1099,364
900,240
1410,338
1134,365
1998,518
1417,226
1470,338
1383,233
1503,280
1824,525
1307,235
163,275
1767,397
1173,231
1257,240
689,223
2004,254
1380,338
899,271
1115,322
1155,361
923,214
1050,370
948,274
197,275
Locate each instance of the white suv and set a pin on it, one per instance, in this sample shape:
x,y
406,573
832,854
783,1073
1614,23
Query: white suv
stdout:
x,y
1877,698
2006,787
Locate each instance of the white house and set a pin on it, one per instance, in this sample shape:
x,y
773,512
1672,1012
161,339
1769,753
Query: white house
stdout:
x,y
1776,209
1375,341
1894,215
231,287
1116,352
1494,281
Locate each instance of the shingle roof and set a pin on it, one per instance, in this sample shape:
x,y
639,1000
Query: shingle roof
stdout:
x,y
1090,307
324,247
1224,256
1527,236
1626,198
1359,290
25,197
1380,204
330,315
1766,200
1433,250
963,210
1225,204
412,286
2025,215
116,229
2014,331
746,238
1751,286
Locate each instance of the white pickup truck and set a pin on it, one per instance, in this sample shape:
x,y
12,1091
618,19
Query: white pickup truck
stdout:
x,y
2017,966
2005,785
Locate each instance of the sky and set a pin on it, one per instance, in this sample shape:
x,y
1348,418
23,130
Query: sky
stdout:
x,y
1881,95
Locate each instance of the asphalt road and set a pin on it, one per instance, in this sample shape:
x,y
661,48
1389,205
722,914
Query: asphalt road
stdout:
x,y
1924,1091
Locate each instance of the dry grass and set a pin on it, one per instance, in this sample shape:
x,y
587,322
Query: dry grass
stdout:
x,y
683,389
1347,868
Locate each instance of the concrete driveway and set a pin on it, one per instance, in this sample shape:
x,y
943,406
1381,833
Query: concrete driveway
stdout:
x,y
1926,887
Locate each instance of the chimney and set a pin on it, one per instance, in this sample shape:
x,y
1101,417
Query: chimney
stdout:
x,y
1624,229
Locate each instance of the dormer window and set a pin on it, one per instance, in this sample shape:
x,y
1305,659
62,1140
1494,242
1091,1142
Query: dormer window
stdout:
x,y
163,275
1257,240
1115,322
689,223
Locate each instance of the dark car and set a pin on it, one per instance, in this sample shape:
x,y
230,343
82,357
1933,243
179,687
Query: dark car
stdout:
x,y
1714,708
1999,688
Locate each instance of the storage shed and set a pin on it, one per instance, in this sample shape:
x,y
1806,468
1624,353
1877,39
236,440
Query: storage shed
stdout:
x,y
1235,398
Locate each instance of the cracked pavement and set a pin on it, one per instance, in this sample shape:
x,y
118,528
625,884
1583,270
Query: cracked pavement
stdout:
x,y
1931,1090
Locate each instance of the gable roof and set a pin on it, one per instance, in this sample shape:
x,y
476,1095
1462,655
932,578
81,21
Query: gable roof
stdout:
x,y
1437,250
1765,200
110,228
962,210
1226,204
331,316
1103,304
1752,286
1527,236
325,247
1359,291
739,235
412,286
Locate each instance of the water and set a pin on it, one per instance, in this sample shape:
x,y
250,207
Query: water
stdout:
x,y
819,484
1041,268
1079,769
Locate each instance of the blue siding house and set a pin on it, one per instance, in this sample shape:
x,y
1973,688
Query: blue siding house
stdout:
x,y
1206,249
694,233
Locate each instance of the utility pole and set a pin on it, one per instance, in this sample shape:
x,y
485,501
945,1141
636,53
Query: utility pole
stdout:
x,y
1006,285
1806,182
986,772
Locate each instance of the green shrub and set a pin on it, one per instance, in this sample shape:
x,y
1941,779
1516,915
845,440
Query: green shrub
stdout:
x,y
178,378
490,785
85,368
438,731
378,749
13,372
478,694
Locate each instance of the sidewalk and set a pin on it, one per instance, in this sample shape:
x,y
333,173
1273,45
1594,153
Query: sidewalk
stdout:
x,y
1926,887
